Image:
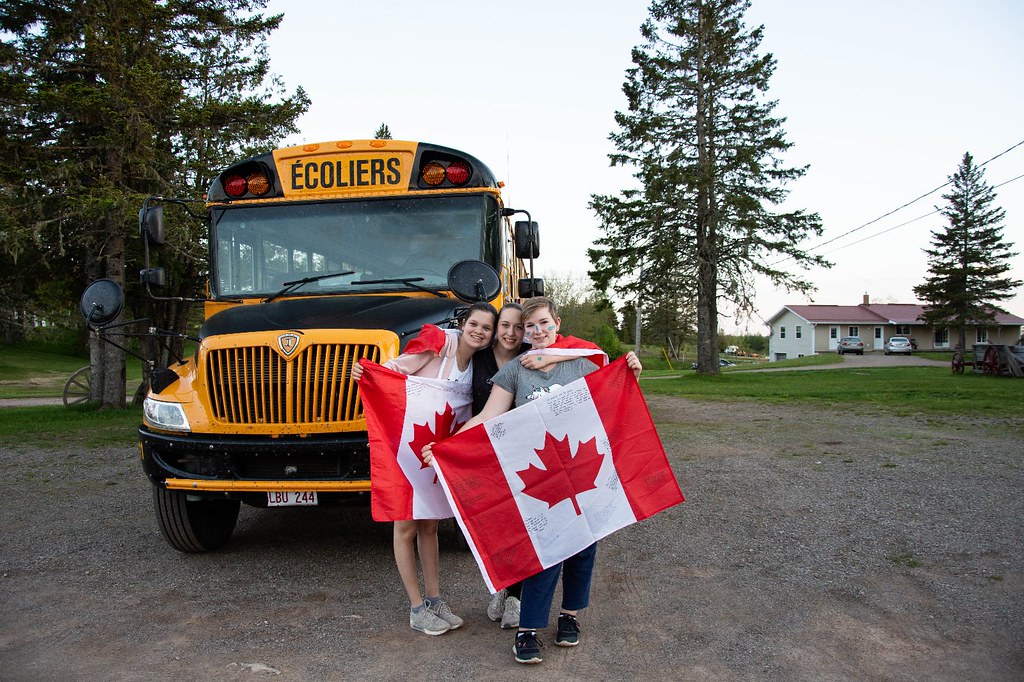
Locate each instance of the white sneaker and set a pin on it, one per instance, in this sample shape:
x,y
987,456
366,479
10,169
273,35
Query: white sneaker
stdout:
x,y
442,611
428,622
496,607
510,618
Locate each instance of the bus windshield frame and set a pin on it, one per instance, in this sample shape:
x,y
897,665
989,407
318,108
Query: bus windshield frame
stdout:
x,y
256,249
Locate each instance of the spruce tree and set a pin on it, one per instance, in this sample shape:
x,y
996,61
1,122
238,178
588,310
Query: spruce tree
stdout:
x,y
707,149
112,101
969,258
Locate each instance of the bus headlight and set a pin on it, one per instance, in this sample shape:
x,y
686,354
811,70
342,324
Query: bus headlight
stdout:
x,y
164,415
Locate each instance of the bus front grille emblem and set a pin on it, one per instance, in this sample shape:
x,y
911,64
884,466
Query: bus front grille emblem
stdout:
x,y
288,343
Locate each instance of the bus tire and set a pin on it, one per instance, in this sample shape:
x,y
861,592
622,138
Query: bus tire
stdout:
x,y
194,526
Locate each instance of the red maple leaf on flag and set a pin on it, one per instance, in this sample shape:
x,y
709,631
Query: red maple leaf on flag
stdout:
x,y
445,424
563,476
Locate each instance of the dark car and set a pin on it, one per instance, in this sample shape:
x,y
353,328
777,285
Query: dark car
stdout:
x,y
851,344
721,363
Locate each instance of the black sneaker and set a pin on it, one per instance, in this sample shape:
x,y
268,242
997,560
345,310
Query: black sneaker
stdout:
x,y
568,630
527,647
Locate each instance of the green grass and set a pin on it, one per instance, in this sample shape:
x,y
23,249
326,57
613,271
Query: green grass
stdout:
x,y
26,373
902,390
655,365
54,426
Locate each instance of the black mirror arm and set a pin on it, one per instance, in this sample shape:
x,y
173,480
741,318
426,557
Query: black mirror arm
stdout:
x,y
509,212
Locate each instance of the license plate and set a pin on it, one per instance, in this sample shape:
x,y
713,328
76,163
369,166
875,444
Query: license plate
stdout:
x,y
291,498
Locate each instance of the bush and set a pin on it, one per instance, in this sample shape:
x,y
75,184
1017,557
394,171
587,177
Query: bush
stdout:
x,y
609,342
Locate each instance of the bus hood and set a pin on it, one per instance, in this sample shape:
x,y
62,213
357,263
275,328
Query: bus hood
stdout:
x,y
402,315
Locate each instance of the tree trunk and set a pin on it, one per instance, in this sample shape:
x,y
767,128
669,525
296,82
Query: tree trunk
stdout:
x,y
112,368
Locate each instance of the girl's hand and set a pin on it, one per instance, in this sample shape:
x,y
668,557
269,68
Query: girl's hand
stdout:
x,y
533,361
357,371
633,362
428,453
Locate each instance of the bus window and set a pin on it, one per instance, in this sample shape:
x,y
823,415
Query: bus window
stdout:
x,y
377,239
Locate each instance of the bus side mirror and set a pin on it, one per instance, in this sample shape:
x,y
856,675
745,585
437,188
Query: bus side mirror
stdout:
x,y
101,302
527,239
530,287
151,224
152,276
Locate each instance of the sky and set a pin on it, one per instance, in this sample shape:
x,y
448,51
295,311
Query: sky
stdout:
x,y
882,98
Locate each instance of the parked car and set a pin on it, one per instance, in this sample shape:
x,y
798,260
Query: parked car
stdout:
x,y
731,350
851,344
721,363
899,344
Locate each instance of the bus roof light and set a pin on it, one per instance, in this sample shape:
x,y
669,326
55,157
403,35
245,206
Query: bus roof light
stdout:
x,y
458,172
433,174
235,186
258,184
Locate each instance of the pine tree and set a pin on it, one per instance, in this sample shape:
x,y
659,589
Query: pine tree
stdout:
x,y
112,101
707,151
383,133
969,257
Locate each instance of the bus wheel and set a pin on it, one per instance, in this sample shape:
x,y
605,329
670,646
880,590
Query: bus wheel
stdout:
x,y
194,525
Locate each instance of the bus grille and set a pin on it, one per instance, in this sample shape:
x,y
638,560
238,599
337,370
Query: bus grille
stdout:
x,y
255,385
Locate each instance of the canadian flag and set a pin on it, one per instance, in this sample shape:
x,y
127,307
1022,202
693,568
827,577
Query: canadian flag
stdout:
x,y
404,413
536,485
572,347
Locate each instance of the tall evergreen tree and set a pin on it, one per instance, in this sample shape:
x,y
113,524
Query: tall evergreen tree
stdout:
x,y
969,258
707,150
382,133
113,100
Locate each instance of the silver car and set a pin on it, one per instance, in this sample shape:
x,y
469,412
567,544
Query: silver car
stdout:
x,y
898,344
850,344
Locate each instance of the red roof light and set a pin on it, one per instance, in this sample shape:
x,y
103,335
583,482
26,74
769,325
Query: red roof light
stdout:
x,y
235,185
458,172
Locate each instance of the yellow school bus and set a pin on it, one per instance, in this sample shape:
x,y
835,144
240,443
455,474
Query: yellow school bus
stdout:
x,y
320,255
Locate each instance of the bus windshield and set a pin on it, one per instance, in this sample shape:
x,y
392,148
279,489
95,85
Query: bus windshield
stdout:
x,y
259,248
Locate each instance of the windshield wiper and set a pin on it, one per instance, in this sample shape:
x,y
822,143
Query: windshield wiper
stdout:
x,y
295,284
407,281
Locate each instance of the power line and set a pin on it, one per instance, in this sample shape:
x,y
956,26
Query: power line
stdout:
x,y
912,220
899,208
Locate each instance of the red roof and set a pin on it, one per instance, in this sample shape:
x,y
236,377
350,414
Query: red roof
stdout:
x,y
895,313
836,313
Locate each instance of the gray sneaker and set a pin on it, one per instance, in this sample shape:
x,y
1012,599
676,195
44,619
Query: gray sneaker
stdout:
x,y
428,622
441,610
496,607
510,617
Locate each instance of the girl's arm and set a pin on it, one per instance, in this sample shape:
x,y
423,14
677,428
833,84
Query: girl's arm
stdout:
x,y
543,361
406,363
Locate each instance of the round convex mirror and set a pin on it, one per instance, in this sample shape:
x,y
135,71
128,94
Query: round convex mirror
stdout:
x,y
102,301
473,280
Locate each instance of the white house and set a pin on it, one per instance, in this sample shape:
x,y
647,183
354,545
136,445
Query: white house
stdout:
x,y
798,330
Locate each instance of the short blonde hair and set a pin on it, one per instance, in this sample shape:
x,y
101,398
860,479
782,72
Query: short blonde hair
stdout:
x,y
534,304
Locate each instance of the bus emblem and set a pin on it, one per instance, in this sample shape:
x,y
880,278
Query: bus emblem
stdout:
x,y
288,343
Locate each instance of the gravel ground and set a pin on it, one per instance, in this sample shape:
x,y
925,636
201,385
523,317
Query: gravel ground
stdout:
x,y
812,546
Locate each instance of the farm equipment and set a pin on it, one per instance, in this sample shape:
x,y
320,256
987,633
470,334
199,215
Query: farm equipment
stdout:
x,y
991,360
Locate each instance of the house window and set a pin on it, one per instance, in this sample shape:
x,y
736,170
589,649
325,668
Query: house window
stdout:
x,y
942,337
878,333
903,330
782,332
799,332
854,331
833,333
982,335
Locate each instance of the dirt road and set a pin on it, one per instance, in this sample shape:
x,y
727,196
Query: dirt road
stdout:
x,y
812,546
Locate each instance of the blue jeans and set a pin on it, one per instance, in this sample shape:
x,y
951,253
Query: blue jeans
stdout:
x,y
539,589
